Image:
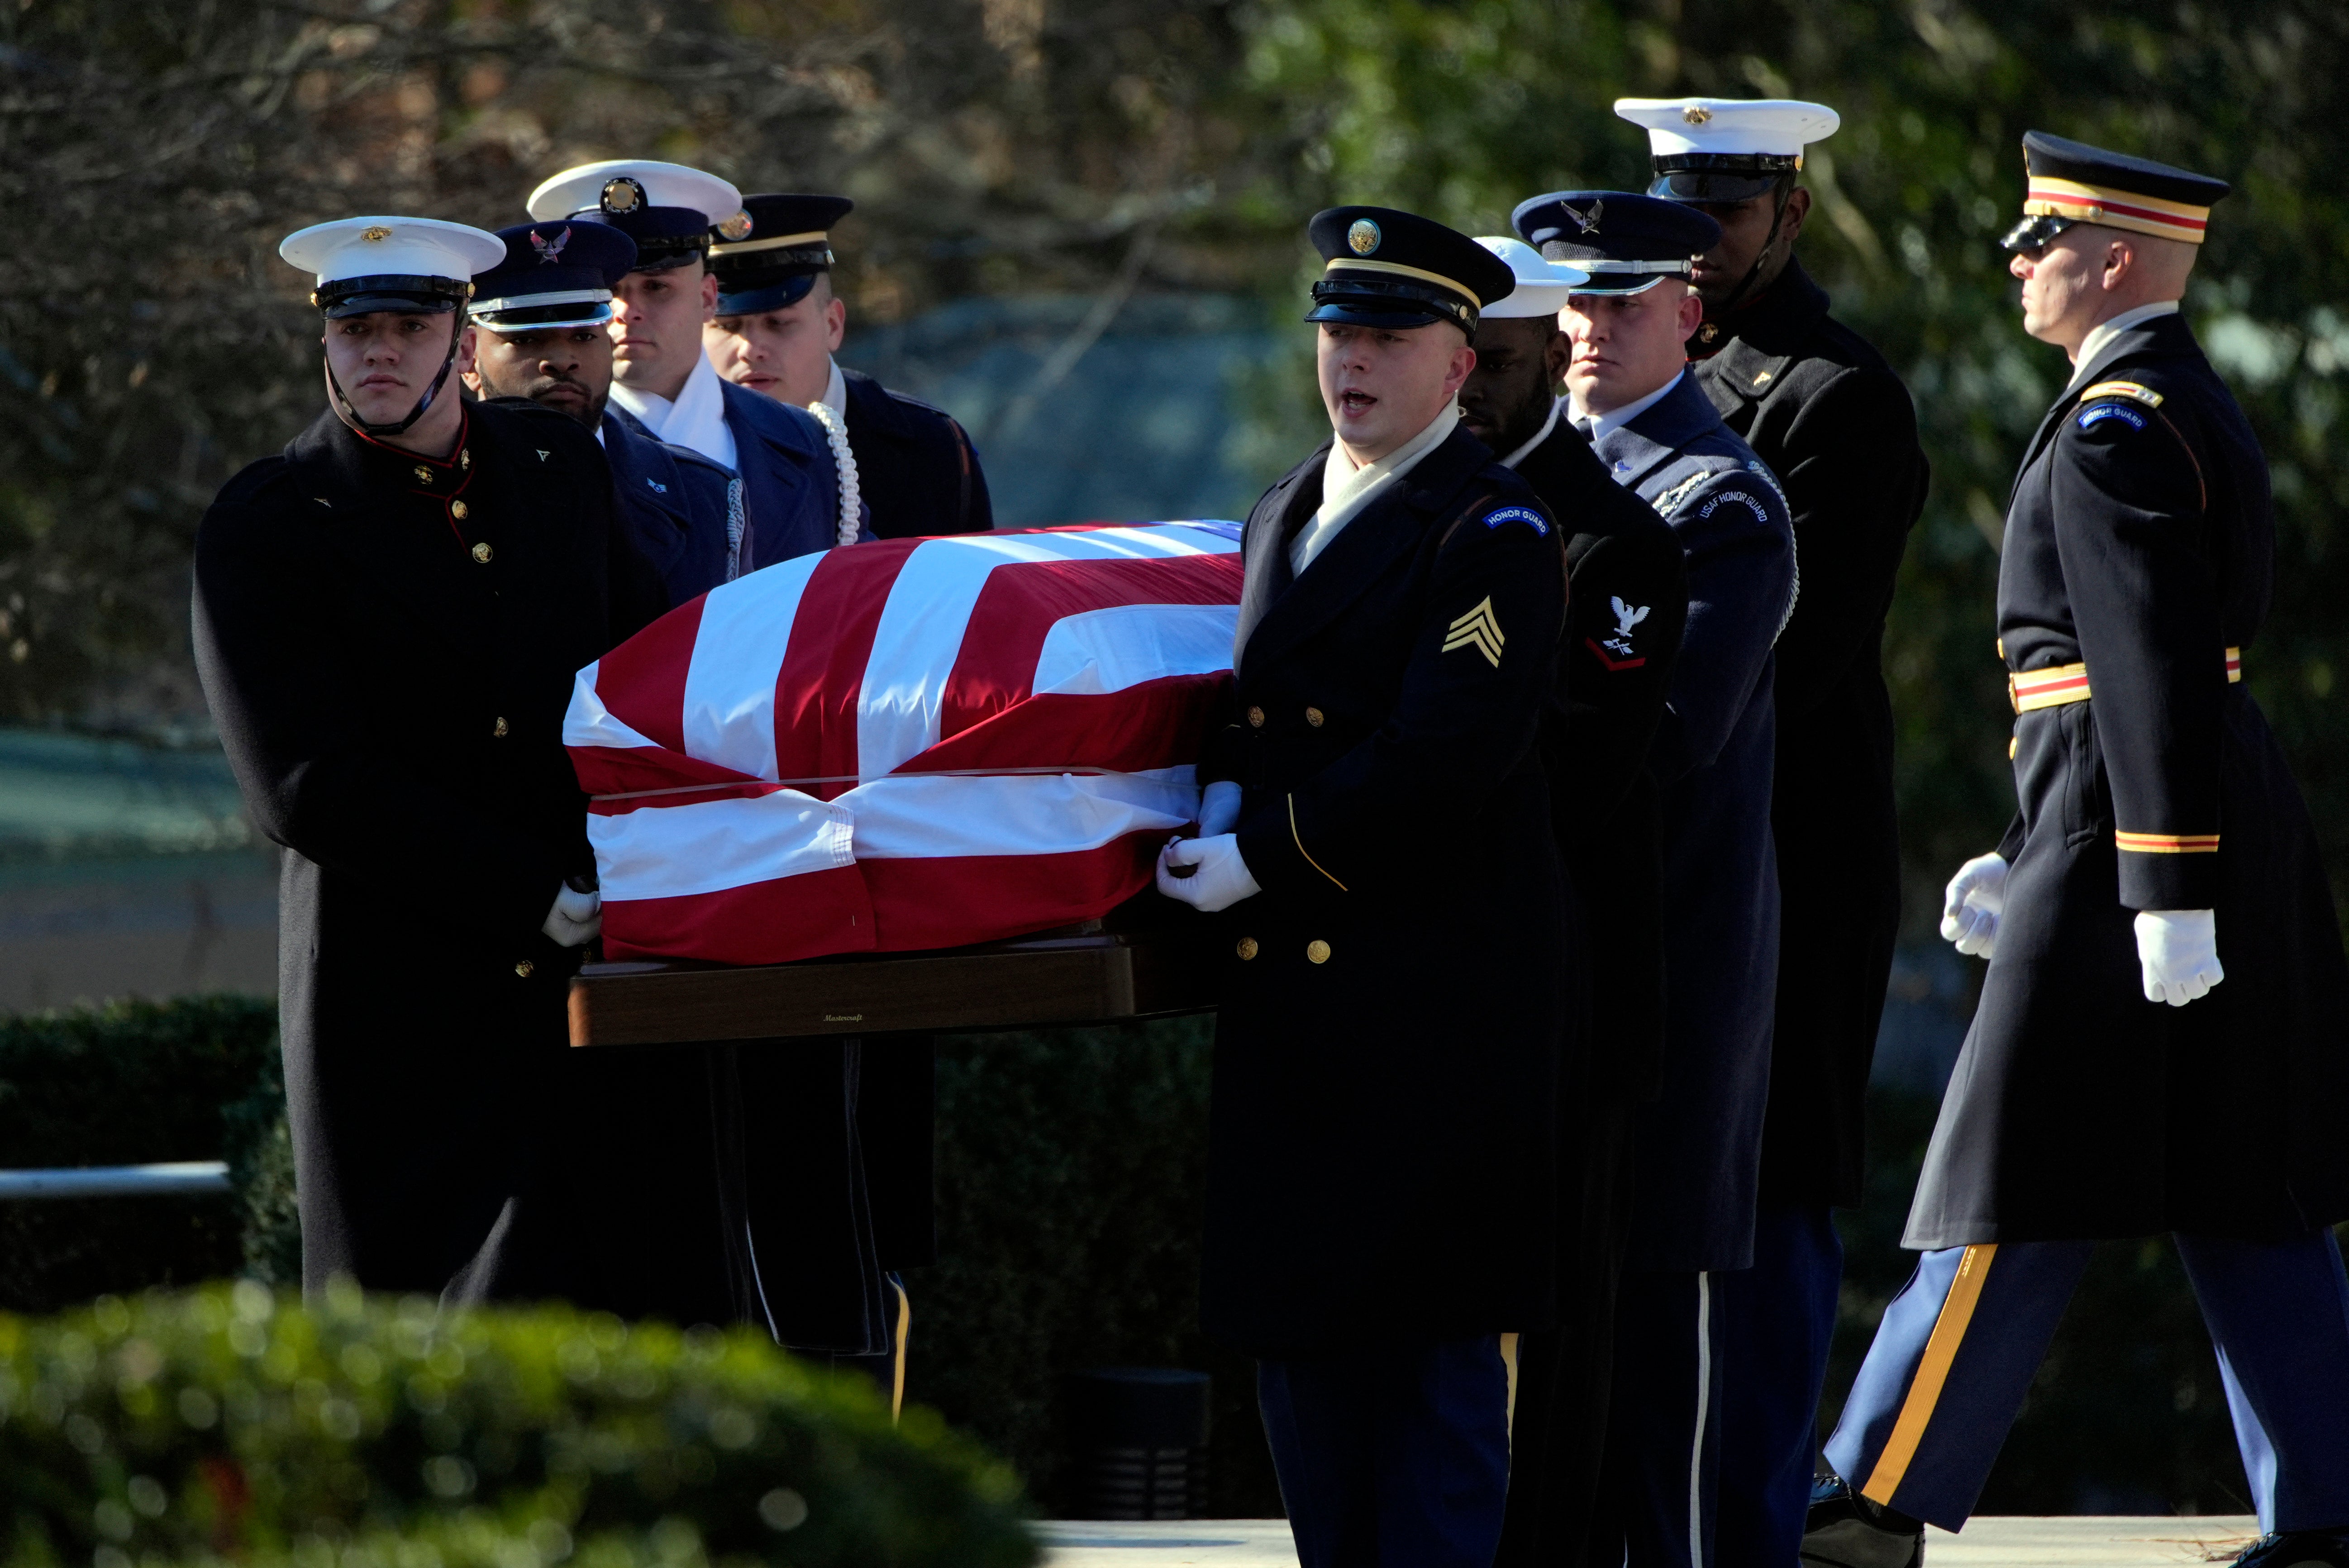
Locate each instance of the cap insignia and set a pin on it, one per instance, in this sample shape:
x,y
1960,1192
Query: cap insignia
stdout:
x,y
621,195
550,250
1696,114
1586,221
374,233
1364,236
736,228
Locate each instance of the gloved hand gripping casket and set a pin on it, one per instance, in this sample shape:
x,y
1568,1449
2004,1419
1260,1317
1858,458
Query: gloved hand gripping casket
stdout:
x,y
912,744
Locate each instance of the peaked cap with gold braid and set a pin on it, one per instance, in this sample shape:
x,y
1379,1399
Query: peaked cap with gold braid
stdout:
x,y
2073,182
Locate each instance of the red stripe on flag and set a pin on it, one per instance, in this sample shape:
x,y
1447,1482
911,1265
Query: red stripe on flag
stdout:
x,y
939,902
1019,604
1160,723
775,921
642,681
621,770
823,674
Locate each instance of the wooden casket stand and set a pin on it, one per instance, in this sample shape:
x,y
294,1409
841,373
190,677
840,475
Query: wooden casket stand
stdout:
x,y
1149,957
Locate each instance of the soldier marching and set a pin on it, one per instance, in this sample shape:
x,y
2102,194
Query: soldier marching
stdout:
x,y
1525,1132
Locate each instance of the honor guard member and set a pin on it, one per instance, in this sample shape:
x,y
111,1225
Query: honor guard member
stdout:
x,y
2120,1079
1823,409
1696,1149
388,617
1382,1177
544,315
778,325
793,493
1627,595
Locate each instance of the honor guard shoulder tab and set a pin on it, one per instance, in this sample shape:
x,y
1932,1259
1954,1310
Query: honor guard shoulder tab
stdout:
x,y
1525,514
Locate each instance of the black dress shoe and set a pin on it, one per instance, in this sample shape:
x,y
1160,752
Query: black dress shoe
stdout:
x,y
1844,1530
2297,1549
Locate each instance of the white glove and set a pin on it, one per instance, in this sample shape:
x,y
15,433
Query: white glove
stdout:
x,y
1971,904
1220,808
1206,873
575,918
2178,950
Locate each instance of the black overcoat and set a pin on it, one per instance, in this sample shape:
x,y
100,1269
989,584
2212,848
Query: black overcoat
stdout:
x,y
1819,405
1381,1158
389,680
916,465
2140,544
1696,1151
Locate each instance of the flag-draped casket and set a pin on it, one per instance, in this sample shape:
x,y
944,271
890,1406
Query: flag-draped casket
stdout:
x,y
911,744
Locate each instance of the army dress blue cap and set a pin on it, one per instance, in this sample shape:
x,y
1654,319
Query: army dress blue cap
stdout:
x,y
2073,182
666,208
767,255
1725,149
1627,243
555,274
1391,269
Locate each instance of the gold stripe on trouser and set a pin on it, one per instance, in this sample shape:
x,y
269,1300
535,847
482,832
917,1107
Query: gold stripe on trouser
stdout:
x,y
898,1374
1932,1372
1509,1365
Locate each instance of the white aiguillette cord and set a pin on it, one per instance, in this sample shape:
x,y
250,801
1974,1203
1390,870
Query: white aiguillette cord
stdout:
x,y
835,431
769,784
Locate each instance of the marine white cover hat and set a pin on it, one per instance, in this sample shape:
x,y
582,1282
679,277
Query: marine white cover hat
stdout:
x,y
581,190
1769,127
1542,285
391,247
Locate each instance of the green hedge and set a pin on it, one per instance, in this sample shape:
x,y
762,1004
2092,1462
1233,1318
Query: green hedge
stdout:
x,y
226,1422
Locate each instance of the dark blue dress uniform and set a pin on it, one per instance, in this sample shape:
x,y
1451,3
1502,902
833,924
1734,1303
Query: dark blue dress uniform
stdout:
x,y
916,470
1380,1160
1627,598
1696,1150
390,677
2137,570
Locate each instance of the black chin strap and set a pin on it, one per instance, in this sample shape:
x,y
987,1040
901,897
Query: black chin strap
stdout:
x,y
1754,273
350,416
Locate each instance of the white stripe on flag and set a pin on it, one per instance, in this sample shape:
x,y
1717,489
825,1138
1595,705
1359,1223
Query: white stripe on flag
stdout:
x,y
922,625
737,655
910,816
587,722
662,852
1097,651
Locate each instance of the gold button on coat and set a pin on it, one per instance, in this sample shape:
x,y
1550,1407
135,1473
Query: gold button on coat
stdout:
x,y
1313,716
423,475
500,731
1246,949
459,511
1318,951
482,552
1256,718
525,969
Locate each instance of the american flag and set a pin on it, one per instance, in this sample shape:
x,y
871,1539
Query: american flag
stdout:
x,y
916,743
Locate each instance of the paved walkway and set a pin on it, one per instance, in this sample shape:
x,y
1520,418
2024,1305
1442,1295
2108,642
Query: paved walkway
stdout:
x,y
2077,1543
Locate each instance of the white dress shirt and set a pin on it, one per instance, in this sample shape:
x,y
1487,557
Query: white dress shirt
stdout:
x,y
1613,419
2104,332
696,418
835,390
1347,488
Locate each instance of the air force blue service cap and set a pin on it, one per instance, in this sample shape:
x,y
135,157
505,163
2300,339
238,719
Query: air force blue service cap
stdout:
x,y
1628,243
666,208
1725,149
2073,182
1391,269
768,254
418,266
1542,285
555,274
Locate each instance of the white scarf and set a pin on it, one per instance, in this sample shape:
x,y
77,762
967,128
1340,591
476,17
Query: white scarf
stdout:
x,y
1346,488
696,418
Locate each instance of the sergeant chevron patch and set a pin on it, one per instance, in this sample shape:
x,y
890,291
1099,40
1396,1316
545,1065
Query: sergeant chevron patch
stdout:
x,y
1480,629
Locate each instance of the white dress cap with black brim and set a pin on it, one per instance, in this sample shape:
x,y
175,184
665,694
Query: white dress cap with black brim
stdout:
x,y
1725,149
1542,285
411,265
667,208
